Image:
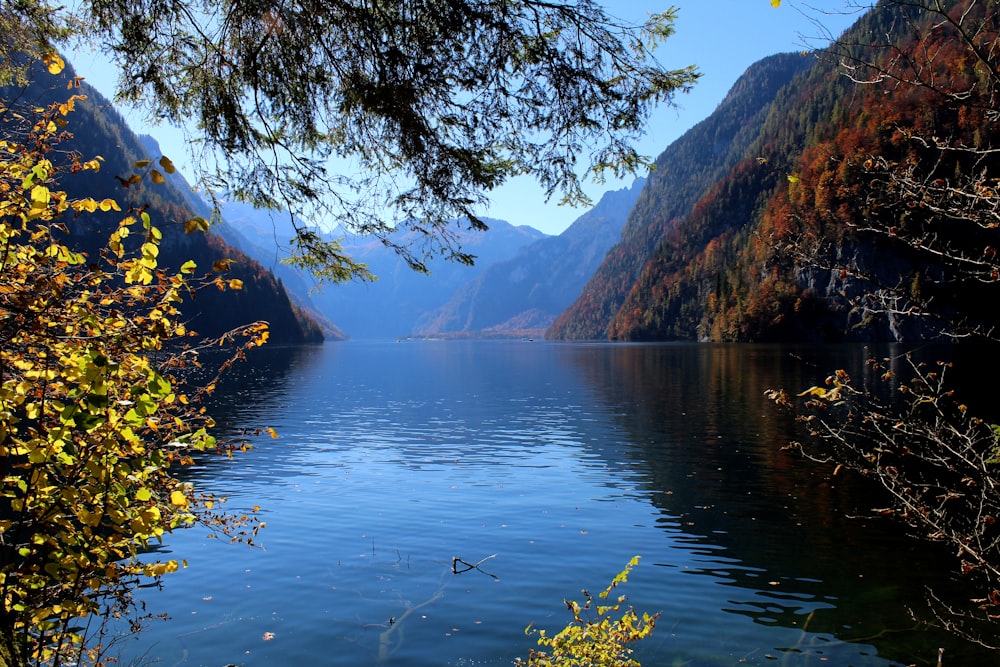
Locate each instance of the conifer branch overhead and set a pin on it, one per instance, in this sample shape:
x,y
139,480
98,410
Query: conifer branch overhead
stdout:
x,y
425,106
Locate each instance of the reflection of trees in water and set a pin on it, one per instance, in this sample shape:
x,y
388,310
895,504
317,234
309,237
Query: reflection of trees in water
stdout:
x,y
259,383
247,392
710,445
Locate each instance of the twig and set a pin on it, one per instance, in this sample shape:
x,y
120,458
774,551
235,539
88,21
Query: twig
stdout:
x,y
471,566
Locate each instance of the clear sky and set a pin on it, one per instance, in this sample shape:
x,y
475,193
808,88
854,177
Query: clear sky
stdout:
x,y
721,37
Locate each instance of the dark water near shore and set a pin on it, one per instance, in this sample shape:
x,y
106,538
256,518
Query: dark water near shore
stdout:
x,y
560,462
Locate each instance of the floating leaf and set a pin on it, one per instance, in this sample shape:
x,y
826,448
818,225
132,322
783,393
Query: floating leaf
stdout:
x,y
775,3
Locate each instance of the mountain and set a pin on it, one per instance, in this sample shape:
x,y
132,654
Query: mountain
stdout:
x,y
523,295
843,211
264,237
690,165
690,268
391,305
98,130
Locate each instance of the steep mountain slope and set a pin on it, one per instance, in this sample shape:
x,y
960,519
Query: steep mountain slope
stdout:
x,y
688,270
266,251
525,293
98,130
683,172
804,235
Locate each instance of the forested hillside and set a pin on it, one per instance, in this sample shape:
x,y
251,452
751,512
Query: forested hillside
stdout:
x,y
683,172
702,282
98,130
833,220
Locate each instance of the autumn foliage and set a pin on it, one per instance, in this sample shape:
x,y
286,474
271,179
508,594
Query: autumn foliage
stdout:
x,y
601,632
95,419
864,208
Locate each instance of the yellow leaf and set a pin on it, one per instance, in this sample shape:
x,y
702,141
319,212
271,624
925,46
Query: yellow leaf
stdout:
x,y
54,63
235,283
158,569
141,164
150,250
167,165
40,194
222,265
142,495
197,223
157,177
88,205
179,499
274,434
775,3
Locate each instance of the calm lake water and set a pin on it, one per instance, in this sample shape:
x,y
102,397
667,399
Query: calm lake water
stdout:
x,y
559,462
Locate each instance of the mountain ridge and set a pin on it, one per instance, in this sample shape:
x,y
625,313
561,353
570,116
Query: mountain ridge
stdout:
x,y
682,172
97,129
522,295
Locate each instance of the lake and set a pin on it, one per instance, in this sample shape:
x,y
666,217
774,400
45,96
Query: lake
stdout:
x,y
553,464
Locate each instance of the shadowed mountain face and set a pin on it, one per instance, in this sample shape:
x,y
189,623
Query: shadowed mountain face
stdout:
x,y
523,294
98,130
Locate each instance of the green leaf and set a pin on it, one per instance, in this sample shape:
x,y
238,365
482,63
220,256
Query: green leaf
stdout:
x,y
158,386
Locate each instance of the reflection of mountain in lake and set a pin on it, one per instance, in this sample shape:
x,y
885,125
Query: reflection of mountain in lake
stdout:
x,y
769,523
564,460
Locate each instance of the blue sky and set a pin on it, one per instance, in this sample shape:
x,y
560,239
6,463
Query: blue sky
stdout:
x,y
721,37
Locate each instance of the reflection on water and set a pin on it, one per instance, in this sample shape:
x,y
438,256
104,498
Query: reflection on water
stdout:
x,y
561,461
